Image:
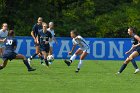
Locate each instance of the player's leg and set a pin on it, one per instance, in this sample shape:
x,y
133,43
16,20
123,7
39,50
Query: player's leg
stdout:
x,y
36,53
1,51
45,54
82,57
78,52
135,66
3,65
20,56
131,57
41,58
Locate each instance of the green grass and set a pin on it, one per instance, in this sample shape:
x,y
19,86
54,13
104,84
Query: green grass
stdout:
x,y
94,77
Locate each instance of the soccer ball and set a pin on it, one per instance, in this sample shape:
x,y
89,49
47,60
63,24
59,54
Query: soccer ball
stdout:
x,y
50,58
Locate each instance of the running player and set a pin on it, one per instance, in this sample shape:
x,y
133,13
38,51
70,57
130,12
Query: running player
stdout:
x,y
9,54
3,35
43,38
135,39
83,50
36,29
51,29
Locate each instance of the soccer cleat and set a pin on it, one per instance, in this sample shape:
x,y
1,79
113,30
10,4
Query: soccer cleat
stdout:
x,y
67,62
31,69
77,70
50,63
42,63
118,73
47,63
29,61
136,71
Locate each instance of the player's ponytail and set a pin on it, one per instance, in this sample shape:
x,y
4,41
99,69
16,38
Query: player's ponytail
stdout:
x,y
132,29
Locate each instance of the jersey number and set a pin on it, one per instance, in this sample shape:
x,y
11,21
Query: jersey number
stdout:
x,y
9,42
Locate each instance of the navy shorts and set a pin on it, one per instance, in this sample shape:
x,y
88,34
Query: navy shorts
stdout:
x,y
9,56
45,48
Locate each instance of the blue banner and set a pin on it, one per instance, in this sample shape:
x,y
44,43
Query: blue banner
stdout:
x,y
100,48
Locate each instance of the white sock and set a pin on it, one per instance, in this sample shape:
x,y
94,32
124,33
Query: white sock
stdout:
x,y
80,64
73,57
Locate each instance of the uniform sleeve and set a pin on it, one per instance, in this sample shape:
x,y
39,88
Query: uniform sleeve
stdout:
x,y
74,42
34,28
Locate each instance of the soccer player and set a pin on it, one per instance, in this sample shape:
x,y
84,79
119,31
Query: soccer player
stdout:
x,y
83,50
43,38
133,52
34,33
9,54
3,35
51,30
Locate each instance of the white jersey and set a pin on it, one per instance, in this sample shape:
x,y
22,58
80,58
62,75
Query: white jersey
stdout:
x,y
3,34
81,42
52,32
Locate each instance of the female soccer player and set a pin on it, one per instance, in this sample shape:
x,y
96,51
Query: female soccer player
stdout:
x,y
83,50
36,29
3,35
43,38
51,29
133,52
9,54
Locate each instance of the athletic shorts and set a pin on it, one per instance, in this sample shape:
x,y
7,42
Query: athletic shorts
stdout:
x,y
51,43
85,50
9,56
45,48
2,45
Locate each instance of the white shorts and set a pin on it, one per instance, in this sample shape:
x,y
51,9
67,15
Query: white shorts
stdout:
x,y
2,46
85,50
51,43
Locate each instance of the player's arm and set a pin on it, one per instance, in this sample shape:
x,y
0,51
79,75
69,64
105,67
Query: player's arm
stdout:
x,y
129,50
15,44
37,39
2,40
32,34
73,47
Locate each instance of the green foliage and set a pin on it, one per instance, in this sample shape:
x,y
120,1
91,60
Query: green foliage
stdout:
x,y
92,18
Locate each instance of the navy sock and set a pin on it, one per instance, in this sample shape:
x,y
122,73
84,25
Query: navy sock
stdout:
x,y
41,58
46,61
122,68
27,64
33,56
134,64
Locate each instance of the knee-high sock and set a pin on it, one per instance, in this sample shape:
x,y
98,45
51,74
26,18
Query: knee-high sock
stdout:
x,y
80,64
134,64
27,64
122,68
73,57
33,56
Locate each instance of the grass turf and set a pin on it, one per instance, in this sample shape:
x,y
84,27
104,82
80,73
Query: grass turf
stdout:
x,y
94,77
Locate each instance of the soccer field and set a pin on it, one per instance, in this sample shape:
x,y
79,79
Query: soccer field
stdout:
x,y
94,77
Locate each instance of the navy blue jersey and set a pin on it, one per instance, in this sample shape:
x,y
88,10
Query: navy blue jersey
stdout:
x,y
44,37
36,28
10,43
133,40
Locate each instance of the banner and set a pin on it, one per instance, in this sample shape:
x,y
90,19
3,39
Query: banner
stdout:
x,y
100,48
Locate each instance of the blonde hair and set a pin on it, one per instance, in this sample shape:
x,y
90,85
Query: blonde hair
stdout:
x,y
44,23
4,24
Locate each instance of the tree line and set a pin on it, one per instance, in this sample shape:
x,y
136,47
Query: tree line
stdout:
x,y
92,18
